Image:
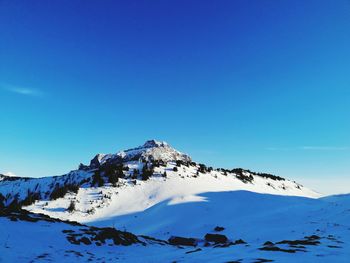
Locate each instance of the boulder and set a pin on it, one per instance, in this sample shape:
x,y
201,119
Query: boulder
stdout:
x,y
219,228
182,241
216,238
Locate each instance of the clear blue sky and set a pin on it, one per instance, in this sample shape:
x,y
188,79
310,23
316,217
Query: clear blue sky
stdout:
x,y
263,85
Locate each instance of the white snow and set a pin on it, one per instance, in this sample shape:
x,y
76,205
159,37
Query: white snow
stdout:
x,y
184,203
108,201
256,218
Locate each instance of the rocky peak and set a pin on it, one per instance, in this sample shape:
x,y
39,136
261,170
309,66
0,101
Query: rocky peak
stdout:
x,y
150,150
154,143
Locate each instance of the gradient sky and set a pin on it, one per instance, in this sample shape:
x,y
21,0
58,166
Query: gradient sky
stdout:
x,y
263,85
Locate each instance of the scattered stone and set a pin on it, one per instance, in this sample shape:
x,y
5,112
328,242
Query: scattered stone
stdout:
x,y
331,246
269,243
299,242
73,240
182,241
262,260
274,248
85,241
239,242
42,256
118,237
219,228
216,238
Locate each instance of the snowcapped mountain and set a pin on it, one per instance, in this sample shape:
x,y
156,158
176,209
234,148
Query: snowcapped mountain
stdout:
x,y
151,150
150,173
173,208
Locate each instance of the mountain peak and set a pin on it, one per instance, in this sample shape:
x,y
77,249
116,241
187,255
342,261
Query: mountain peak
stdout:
x,y
154,150
154,143
150,150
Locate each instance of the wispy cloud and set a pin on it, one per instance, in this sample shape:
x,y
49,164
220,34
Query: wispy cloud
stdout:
x,y
278,149
310,148
23,90
324,148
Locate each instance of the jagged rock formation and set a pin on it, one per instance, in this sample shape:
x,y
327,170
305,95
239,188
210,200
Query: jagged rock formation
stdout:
x,y
151,150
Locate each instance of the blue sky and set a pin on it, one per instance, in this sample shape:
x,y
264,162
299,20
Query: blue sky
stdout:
x,y
263,85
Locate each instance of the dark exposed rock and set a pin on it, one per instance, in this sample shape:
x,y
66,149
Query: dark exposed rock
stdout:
x,y
95,162
85,241
239,242
73,240
300,242
182,241
24,215
331,246
274,248
262,260
100,235
216,238
296,245
219,228
87,234
118,237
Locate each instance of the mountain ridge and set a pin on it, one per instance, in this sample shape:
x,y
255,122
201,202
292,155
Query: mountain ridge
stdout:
x,y
155,167
166,208
151,150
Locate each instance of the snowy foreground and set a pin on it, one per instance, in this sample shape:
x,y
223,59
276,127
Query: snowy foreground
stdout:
x,y
154,204
254,218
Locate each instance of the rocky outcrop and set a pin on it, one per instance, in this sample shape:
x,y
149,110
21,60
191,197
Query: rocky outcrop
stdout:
x,y
182,241
216,238
151,150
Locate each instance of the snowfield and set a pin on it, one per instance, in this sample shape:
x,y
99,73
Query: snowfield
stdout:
x,y
256,220
154,190
108,201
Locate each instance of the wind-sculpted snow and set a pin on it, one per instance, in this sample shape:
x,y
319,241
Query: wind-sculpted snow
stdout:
x,y
129,195
243,214
236,226
214,214
141,177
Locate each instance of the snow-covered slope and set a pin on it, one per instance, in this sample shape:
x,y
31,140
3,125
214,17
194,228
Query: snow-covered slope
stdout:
x,y
134,180
259,228
243,214
107,201
158,191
